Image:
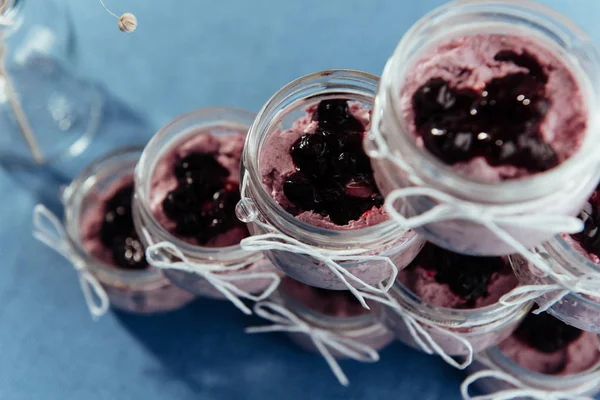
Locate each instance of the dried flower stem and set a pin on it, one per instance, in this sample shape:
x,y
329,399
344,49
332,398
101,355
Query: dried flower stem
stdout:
x,y
18,110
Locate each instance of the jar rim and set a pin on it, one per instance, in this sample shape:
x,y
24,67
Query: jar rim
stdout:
x,y
559,26
328,82
208,117
496,315
505,363
568,254
74,194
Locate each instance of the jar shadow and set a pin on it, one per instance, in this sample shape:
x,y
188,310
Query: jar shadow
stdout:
x,y
120,126
203,345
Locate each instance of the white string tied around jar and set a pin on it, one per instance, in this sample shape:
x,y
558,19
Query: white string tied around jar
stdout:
x,y
522,390
48,229
324,340
422,338
221,277
278,241
566,282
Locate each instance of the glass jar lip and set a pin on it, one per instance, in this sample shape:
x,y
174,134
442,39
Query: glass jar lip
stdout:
x,y
455,181
329,236
571,256
323,320
496,356
74,194
148,161
496,314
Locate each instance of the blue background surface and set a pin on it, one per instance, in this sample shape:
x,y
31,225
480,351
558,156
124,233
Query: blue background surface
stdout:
x,y
188,54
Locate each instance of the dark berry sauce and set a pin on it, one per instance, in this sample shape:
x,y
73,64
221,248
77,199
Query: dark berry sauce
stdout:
x,y
545,333
501,123
466,276
203,203
589,238
333,174
118,233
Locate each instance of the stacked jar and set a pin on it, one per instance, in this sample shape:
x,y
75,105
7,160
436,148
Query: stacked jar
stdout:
x,y
186,190
482,141
100,240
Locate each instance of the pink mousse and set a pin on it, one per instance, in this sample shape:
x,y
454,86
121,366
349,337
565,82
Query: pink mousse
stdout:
x,y
92,218
276,165
422,282
580,355
227,150
333,303
468,63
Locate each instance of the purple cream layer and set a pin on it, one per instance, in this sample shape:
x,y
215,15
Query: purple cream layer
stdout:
x,y
276,165
450,280
92,218
468,63
579,356
333,303
422,283
228,151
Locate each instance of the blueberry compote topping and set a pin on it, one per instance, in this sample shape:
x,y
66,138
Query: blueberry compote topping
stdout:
x,y
545,333
203,203
500,123
590,215
467,276
333,174
118,233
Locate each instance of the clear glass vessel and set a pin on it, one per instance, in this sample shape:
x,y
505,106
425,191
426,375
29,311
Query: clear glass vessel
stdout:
x,y
46,111
384,239
138,291
558,191
221,122
574,309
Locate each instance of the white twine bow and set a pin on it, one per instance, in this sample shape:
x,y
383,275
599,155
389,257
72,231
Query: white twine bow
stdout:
x,y
521,390
48,229
286,321
155,254
565,283
422,338
281,242
276,240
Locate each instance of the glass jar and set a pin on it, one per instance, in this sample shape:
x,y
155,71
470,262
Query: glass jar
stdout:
x,y
219,121
364,329
399,162
581,384
47,111
575,309
139,291
265,215
481,327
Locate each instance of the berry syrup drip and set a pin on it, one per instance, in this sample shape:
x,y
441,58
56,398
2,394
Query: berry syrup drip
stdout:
x,y
118,233
333,174
545,333
501,123
589,238
466,276
203,203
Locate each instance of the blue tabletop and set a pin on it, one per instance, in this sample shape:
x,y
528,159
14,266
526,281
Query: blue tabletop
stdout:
x,y
188,54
